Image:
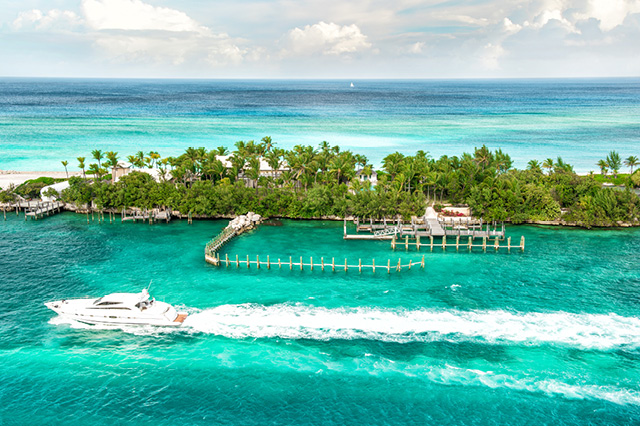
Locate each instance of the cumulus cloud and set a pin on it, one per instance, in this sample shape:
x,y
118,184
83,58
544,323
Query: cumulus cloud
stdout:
x,y
134,31
376,38
55,19
135,15
327,39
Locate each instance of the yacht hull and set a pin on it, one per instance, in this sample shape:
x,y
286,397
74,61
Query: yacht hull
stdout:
x,y
84,311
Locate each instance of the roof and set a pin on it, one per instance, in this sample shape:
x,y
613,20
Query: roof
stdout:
x,y
125,298
264,165
360,172
58,187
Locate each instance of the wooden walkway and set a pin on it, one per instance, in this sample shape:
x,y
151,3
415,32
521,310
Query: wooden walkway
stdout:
x,y
292,264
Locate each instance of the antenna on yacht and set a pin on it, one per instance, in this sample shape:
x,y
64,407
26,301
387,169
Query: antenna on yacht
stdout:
x,y
149,286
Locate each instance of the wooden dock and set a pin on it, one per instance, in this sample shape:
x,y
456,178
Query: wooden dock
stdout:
x,y
236,226
429,225
301,265
153,215
497,244
33,209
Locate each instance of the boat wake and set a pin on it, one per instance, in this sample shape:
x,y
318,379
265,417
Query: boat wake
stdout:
x,y
587,331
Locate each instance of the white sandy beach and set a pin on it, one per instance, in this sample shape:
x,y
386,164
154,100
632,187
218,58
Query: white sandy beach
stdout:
x,y
8,177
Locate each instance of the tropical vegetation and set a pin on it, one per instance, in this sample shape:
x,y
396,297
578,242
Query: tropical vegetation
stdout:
x,y
324,181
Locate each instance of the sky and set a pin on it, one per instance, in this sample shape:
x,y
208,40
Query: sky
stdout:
x,y
346,39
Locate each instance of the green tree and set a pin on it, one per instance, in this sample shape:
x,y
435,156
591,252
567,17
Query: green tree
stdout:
x,y
97,155
81,165
602,164
631,162
65,164
614,162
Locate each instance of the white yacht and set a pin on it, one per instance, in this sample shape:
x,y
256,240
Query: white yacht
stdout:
x,y
119,309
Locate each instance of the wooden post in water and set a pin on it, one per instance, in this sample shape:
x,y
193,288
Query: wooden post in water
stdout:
x,y
301,263
406,243
237,261
248,262
417,241
333,264
470,242
497,244
484,244
393,242
509,244
389,266
522,243
431,242
226,258
457,242
268,262
279,264
290,264
399,267
422,263
258,261
311,261
346,267
409,264
360,265
345,227
322,262
373,265
444,242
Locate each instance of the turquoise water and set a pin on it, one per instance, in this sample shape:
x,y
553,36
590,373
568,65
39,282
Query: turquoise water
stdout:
x,y
45,121
548,336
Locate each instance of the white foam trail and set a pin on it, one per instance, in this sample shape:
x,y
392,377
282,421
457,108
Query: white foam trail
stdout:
x,y
450,375
589,331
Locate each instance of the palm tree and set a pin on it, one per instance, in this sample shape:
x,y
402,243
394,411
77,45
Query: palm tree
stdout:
x,y
154,156
614,162
65,164
603,167
534,166
221,150
98,155
133,160
95,170
548,164
112,158
392,163
631,161
483,156
81,165
268,144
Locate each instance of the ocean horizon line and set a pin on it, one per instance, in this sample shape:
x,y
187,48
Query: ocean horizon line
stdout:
x,y
324,79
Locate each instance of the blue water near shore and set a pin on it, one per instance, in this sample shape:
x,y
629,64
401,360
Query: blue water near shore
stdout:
x,y
548,336
45,121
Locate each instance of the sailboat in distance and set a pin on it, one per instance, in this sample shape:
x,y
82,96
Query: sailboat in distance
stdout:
x,y
352,84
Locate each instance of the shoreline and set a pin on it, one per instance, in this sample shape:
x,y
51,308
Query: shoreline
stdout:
x,y
16,177
557,223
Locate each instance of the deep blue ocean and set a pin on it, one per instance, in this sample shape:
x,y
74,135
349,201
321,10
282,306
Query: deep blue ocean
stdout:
x,y
43,121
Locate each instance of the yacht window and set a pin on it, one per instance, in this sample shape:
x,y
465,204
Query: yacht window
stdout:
x,y
109,303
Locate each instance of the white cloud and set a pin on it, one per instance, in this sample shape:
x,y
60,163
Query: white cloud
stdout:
x,y
135,15
327,39
612,13
416,47
54,19
490,56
